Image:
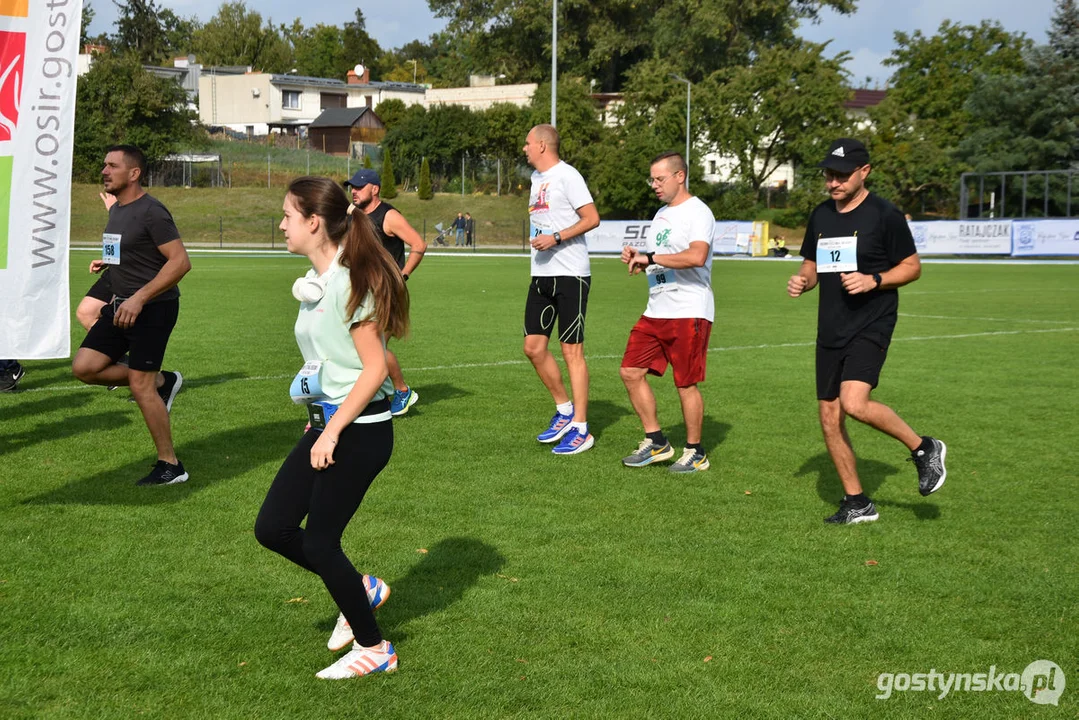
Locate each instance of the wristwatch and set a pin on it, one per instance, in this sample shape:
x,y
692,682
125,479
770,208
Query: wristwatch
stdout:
x,y
557,238
405,276
877,279
649,256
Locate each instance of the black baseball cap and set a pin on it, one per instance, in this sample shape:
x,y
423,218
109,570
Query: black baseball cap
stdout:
x,y
844,155
364,176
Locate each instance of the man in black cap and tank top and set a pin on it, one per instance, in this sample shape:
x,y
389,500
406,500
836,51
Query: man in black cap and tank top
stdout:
x,y
395,233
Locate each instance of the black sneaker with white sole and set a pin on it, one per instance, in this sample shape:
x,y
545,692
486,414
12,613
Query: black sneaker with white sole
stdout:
x,y
165,474
930,464
851,512
171,386
9,378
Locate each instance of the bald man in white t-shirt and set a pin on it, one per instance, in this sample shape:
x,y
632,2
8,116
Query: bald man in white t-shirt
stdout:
x,y
560,211
677,322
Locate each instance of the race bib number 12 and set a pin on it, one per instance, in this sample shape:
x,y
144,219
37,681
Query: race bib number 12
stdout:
x,y
837,255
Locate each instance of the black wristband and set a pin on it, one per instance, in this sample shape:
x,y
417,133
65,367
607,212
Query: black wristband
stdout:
x,y
405,276
878,279
649,256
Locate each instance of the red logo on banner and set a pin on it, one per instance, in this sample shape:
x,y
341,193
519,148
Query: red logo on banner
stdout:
x,y
12,55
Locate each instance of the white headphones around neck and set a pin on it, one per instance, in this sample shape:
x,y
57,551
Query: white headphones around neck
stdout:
x,y
309,289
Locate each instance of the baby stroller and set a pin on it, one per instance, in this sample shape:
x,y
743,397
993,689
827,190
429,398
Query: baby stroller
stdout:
x,y
440,239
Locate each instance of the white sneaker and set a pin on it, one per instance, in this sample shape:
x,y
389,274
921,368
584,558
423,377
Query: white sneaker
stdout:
x,y
377,593
362,661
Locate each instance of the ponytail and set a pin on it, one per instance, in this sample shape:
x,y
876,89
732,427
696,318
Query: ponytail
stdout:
x,y
372,270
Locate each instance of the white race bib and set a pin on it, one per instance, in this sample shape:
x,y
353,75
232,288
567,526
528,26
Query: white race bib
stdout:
x,y
306,387
660,279
539,224
110,248
837,255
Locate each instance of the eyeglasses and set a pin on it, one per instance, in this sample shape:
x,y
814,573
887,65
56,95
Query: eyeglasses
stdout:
x,y
660,180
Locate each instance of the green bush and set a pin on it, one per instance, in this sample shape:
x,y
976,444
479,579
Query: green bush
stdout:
x,y
807,194
729,201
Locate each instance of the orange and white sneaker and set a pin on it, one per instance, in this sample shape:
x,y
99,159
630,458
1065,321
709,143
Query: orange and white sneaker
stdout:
x,y
377,593
362,661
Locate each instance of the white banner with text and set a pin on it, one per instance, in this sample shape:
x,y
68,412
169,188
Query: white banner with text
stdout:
x,y
1045,237
963,237
731,238
39,46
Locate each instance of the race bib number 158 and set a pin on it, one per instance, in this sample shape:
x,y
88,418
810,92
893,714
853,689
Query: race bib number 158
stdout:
x,y
110,248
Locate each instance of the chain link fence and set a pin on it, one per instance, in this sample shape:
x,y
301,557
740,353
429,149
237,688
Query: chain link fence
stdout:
x,y
273,162
262,232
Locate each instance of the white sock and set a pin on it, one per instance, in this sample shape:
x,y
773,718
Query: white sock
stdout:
x,y
582,428
565,408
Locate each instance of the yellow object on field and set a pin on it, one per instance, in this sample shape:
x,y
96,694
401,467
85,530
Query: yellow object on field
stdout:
x,y
758,241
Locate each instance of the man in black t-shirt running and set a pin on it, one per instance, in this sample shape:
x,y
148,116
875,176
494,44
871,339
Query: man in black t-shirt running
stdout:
x,y
859,250
395,233
146,259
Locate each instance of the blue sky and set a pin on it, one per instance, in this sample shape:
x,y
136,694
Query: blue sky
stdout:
x,y
867,34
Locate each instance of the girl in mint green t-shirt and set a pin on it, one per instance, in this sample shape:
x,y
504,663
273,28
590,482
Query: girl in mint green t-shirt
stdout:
x,y
353,298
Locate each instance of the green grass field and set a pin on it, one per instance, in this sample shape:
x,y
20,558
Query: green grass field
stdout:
x,y
527,585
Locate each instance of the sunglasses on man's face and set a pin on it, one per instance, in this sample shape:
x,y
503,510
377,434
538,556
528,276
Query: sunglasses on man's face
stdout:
x,y
834,176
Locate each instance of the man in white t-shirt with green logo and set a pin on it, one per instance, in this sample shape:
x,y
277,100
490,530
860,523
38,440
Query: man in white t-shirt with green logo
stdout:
x,y
677,322
560,212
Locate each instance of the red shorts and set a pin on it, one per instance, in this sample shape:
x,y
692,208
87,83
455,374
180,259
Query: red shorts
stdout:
x,y
681,342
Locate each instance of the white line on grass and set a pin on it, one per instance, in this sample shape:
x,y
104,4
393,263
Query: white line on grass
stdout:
x,y
253,253
501,363
983,290
987,319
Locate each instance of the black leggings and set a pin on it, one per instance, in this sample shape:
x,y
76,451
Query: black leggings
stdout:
x,y
329,498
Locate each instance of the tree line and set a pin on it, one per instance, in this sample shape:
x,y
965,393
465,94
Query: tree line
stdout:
x,y
968,97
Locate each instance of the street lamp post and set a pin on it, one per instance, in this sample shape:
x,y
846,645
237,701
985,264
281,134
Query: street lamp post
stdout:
x,y
689,85
554,63
413,70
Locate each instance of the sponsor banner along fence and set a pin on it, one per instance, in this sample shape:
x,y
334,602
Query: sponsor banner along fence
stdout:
x,y
1045,237
731,238
966,237
39,45
940,237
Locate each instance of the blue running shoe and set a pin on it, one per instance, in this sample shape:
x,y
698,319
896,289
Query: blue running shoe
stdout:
x,y
574,442
559,426
377,594
402,401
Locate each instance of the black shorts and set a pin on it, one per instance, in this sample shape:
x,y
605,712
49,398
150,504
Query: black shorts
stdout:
x,y
102,289
145,340
861,359
563,297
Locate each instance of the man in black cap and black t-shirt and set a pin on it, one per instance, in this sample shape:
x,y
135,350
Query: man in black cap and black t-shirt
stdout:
x,y
859,249
394,232
146,259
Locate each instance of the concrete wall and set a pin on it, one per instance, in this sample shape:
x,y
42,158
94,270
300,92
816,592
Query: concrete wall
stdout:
x,y
481,98
237,100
